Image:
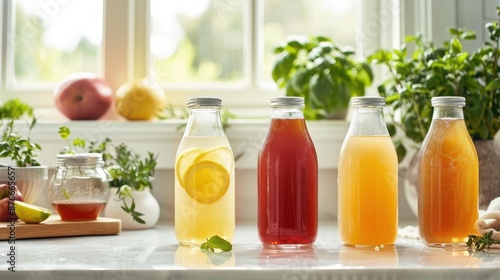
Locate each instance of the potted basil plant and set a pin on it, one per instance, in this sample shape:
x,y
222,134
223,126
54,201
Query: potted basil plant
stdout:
x,y
323,72
448,70
20,153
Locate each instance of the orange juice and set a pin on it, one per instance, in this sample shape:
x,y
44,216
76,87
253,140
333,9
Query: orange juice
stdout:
x,y
368,191
448,184
204,190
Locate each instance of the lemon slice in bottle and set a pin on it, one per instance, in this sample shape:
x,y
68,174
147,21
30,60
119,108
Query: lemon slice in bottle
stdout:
x,y
31,214
184,161
206,181
221,154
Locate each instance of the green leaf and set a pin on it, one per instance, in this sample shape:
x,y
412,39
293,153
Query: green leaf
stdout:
x,y
64,132
368,71
391,128
217,242
400,150
125,191
493,85
455,45
461,57
469,35
282,68
321,90
78,142
206,247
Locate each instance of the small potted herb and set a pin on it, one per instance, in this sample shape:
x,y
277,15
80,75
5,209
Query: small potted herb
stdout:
x,y
20,153
321,71
449,70
132,177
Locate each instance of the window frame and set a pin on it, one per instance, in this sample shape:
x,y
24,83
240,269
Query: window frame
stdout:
x,y
128,23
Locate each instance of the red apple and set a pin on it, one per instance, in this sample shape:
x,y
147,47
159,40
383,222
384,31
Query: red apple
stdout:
x,y
83,97
7,196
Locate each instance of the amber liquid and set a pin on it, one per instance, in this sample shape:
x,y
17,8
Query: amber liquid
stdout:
x,y
448,184
78,211
368,191
287,185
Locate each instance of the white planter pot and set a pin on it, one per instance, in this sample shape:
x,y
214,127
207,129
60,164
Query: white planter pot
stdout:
x,y
145,203
31,180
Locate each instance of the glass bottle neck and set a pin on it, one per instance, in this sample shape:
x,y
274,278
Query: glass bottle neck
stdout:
x,y
287,113
450,112
368,121
204,122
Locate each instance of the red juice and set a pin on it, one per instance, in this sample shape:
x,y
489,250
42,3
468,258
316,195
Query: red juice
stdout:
x,y
287,185
78,211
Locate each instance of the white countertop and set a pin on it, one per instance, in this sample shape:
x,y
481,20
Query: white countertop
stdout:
x,y
154,254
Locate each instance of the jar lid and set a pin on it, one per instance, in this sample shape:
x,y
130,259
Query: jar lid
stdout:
x,y
448,101
79,159
287,101
372,101
204,102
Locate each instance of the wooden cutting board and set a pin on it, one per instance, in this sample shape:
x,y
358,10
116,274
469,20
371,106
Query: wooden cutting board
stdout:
x,y
54,227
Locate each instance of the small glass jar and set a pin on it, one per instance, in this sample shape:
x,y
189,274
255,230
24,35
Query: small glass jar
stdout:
x,y
79,187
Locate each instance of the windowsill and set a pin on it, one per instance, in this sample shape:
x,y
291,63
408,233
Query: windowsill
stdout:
x,y
162,137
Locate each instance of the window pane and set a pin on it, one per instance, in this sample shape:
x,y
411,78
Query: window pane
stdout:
x,y
197,40
56,38
336,19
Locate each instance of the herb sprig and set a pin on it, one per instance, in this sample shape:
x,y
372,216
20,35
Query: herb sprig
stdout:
x,y
19,149
216,242
481,242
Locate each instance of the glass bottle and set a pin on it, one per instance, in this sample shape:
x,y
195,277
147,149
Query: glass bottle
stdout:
x,y
204,176
368,178
287,178
79,187
448,177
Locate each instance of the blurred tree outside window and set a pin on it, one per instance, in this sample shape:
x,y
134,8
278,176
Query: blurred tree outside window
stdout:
x,y
55,38
197,41
205,40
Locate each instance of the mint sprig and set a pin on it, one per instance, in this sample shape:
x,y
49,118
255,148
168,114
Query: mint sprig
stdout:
x,y
481,242
216,242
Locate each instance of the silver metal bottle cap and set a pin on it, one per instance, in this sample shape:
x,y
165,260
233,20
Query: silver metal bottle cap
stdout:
x,y
448,101
287,101
375,101
79,159
204,101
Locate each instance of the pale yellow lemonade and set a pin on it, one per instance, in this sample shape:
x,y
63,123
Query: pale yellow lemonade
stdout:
x,y
204,190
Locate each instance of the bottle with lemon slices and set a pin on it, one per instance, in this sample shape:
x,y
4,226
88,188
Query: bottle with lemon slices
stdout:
x,y
204,176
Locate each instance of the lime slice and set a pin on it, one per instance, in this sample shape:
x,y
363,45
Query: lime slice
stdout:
x,y
31,214
206,181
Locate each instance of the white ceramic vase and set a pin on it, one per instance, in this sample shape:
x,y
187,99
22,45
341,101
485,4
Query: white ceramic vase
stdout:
x,y
145,203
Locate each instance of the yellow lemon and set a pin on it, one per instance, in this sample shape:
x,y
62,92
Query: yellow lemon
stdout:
x,y
206,181
31,214
139,100
184,161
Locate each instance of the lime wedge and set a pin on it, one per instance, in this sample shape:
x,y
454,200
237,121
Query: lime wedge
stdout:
x,y
31,214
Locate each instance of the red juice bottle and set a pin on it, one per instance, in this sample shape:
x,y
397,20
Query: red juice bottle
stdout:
x,y
287,178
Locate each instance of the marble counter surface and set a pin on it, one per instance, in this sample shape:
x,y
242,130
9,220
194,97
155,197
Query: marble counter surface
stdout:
x,y
154,254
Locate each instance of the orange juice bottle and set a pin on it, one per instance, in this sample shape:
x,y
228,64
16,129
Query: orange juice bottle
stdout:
x,y
368,179
448,177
